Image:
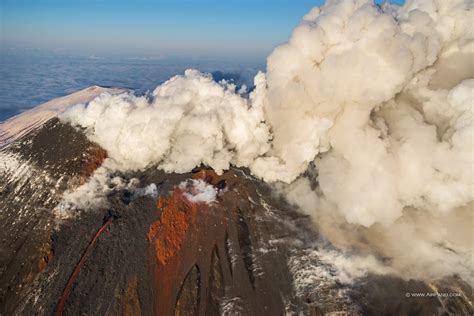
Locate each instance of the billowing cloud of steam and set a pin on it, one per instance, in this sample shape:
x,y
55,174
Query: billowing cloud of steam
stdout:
x,y
382,104
187,121
365,114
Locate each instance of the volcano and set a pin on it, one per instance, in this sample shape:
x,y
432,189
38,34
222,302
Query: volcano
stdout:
x,y
158,243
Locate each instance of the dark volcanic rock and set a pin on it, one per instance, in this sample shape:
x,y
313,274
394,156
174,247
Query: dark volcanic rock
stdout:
x,y
247,253
40,167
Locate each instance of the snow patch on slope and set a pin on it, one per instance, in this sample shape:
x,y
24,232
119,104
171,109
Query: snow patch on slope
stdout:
x,y
197,191
13,169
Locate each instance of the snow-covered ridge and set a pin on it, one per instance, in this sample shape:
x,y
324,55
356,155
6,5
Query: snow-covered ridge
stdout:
x,y
21,124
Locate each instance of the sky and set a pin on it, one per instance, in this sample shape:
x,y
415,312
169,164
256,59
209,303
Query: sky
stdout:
x,y
51,48
151,28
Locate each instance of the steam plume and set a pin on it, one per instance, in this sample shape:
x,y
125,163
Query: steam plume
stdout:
x,y
372,103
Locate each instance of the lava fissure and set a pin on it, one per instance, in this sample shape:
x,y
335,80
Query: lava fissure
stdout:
x,y
68,289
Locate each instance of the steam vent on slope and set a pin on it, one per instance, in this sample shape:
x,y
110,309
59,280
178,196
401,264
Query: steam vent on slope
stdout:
x,y
342,184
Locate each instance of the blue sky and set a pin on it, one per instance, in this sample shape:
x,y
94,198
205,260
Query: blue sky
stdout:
x,y
147,28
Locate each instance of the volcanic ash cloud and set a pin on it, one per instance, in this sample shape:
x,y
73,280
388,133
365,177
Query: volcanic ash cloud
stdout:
x,y
380,100
372,103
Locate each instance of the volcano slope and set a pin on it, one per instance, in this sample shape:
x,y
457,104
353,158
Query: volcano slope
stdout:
x,y
154,247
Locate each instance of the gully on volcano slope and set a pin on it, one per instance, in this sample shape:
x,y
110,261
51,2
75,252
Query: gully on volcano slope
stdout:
x,y
166,243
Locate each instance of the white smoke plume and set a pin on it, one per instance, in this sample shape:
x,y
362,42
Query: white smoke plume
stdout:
x,y
187,121
382,104
374,103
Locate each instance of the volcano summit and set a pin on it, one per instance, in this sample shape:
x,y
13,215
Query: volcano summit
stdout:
x,y
341,183
149,242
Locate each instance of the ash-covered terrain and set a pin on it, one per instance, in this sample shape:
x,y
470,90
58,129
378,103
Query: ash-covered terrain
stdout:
x,y
341,183
161,243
